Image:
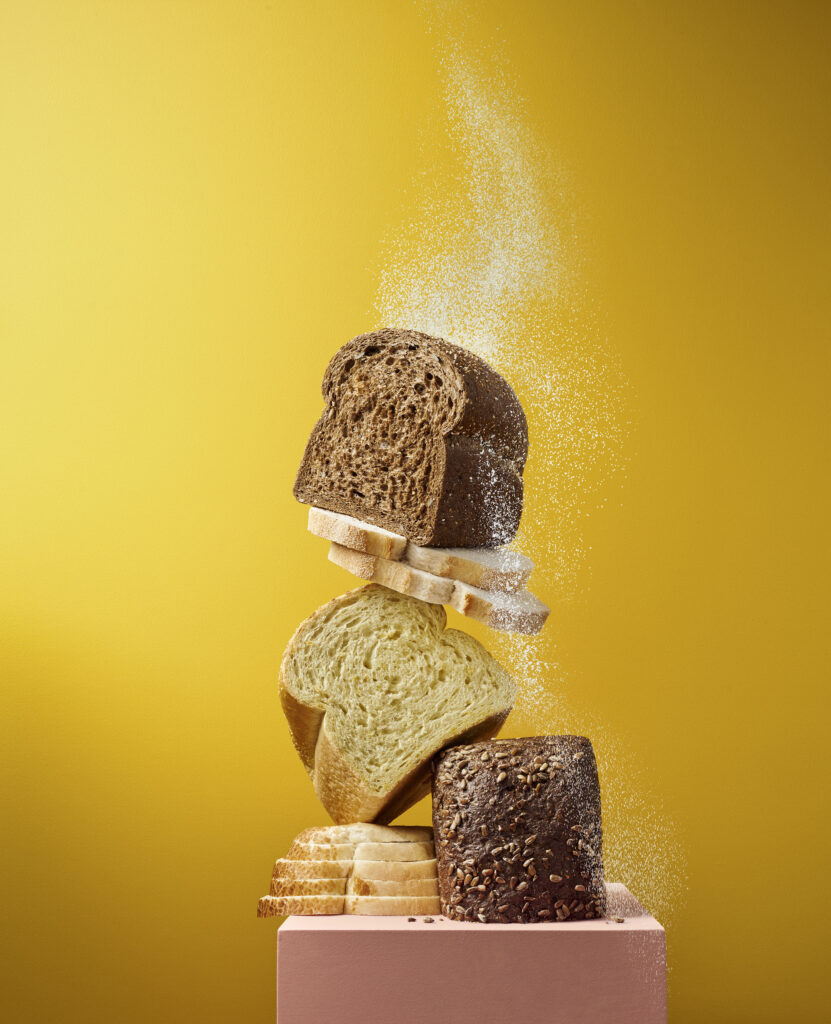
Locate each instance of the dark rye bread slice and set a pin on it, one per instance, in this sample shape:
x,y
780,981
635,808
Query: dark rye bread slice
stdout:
x,y
518,832
419,437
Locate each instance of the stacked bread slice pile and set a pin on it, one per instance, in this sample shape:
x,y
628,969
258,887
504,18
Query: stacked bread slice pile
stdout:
x,y
487,584
356,869
414,475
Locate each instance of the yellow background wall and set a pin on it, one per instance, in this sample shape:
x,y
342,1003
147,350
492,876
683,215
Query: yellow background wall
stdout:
x,y
192,196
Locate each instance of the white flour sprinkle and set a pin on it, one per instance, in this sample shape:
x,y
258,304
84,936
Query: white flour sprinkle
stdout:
x,y
493,263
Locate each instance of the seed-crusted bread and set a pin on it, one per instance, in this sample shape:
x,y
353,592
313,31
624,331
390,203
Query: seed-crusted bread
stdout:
x,y
372,685
486,568
419,437
518,830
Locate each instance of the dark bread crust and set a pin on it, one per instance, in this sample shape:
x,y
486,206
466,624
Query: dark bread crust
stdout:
x,y
526,847
420,437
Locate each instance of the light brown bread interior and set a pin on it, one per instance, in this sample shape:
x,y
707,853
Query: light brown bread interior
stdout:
x,y
372,685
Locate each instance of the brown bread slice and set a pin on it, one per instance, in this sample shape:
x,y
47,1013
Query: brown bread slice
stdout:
x,y
518,830
419,437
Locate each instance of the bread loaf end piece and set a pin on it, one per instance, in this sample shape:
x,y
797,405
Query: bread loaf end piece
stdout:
x,y
527,810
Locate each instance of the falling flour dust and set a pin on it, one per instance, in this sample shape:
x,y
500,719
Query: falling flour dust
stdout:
x,y
493,263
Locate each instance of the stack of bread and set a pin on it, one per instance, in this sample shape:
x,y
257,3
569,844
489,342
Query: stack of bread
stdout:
x,y
414,475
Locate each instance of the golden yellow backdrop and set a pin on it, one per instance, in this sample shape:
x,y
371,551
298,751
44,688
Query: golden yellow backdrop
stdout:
x,y
193,200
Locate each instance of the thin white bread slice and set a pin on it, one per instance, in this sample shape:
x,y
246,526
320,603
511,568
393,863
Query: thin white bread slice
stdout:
x,y
361,851
396,575
372,686
387,906
365,832
514,613
395,851
283,906
391,871
401,887
352,533
391,906
312,886
287,868
519,612
486,568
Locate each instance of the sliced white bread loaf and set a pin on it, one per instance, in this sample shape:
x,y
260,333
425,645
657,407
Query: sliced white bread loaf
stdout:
x,y
518,612
372,685
486,568
387,872
383,906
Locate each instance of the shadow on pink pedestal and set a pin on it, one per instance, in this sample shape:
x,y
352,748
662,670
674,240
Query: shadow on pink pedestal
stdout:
x,y
389,970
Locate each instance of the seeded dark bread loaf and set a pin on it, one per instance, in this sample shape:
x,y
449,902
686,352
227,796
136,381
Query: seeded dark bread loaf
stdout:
x,y
419,437
518,832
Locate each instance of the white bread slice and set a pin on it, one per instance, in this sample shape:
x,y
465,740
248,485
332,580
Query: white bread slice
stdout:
x,y
391,906
288,868
361,851
519,612
364,832
396,575
390,871
354,534
283,906
395,851
514,613
373,685
313,886
486,568
388,906
401,887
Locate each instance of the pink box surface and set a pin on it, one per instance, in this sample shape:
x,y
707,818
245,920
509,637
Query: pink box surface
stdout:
x,y
390,970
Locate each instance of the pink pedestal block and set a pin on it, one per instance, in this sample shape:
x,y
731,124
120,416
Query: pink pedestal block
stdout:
x,y
389,970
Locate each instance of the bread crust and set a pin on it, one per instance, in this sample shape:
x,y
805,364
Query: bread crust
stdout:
x,y
451,475
523,818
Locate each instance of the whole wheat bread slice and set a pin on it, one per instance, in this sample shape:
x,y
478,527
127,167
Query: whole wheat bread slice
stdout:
x,y
486,568
419,437
372,685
